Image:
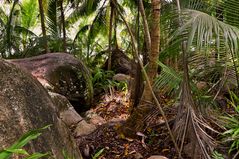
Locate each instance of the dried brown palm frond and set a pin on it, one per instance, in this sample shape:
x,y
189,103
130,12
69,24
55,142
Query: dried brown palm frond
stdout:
x,y
203,30
190,126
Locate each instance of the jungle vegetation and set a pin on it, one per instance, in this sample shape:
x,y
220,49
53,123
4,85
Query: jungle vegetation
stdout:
x,y
177,45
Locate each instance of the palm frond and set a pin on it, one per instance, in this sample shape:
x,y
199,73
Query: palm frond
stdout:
x,y
86,8
81,32
99,23
20,29
52,18
29,13
168,79
207,29
3,17
229,9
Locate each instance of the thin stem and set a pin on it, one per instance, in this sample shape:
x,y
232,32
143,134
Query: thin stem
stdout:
x,y
41,10
9,28
147,80
110,36
236,155
63,27
146,26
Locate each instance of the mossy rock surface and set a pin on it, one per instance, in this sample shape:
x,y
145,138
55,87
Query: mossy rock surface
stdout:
x,y
62,73
26,105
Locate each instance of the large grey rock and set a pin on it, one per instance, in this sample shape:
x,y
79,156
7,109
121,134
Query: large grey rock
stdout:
x,y
65,110
26,105
83,128
61,73
70,117
93,118
122,77
97,120
121,63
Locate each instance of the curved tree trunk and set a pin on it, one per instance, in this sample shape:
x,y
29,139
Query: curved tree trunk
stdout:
x,y
136,94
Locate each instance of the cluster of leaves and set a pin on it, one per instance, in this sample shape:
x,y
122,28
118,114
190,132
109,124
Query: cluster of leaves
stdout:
x,y
231,135
217,155
17,147
86,25
207,33
210,29
102,80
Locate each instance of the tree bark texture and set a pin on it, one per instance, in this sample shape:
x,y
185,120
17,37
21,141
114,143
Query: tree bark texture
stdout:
x,y
137,121
152,67
41,10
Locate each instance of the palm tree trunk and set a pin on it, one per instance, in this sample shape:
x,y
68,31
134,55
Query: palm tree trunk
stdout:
x,y
186,101
115,32
63,26
136,122
41,10
130,127
155,45
136,94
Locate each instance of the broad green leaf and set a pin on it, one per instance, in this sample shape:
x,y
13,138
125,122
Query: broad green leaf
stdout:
x,y
23,141
17,151
37,155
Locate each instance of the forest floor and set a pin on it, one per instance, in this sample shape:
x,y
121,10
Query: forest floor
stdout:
x,y
107,143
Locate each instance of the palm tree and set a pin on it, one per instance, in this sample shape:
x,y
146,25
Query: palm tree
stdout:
x,y
136,120
152,67
211,37
15,28
201,31
42,16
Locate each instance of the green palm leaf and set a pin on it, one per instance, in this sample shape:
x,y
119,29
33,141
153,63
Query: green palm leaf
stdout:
x,y
168,79
52,18
86,8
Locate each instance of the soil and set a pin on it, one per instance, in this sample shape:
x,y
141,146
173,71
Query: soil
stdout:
x,y
107,143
